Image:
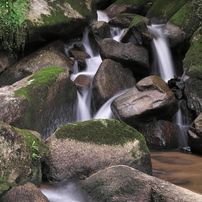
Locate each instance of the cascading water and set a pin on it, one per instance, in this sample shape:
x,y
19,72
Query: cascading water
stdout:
x,y
163,55
163,67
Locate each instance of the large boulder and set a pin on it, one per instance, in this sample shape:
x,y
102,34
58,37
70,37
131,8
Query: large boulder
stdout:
x,y
122,183
28,192
50,55
129,55
80,149
163,10
184,23
149,100
193,73
110,79
21,155
195,135
40,102
51,19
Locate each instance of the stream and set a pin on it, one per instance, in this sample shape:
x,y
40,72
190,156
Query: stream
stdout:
x,y
182,169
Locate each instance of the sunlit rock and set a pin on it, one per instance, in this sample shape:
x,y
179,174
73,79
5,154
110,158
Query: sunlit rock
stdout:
x,y
80,149
150,99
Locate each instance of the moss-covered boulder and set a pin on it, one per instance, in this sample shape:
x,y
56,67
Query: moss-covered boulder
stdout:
x,y
52,54
21,154
81,149
59,18
40,102
184,23
193,73
163,10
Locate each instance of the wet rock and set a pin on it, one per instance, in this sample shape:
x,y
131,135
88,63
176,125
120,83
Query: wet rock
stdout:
x,y
138,32
150,99
80,149
122,7
51,55
122,183
72,18
195,135
110,79
193,74
40,102
163,10
28,192
175,35
101,30
182,30
160,135
21,154
128,54
83,81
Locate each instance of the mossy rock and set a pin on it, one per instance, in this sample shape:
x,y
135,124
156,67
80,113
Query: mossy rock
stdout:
x,y
50,97
188,18
193,58
80,149
21,154
135,2
59,18
164,9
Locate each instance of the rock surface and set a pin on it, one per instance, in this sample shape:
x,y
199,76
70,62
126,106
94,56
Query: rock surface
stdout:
x,y
50,55
80,149
21,153
121,183
110,79
150,99
40,102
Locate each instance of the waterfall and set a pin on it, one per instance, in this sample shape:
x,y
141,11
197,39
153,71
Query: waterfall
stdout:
x,y
161,53
165,69
84,94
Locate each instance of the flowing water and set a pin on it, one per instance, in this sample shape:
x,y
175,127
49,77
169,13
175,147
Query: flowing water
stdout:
x,y
168,166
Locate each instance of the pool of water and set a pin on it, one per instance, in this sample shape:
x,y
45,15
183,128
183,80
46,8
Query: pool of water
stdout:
x,y
182,169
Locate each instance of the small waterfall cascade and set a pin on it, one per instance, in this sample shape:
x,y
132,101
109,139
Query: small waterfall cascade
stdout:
x,y
84,94
163,65
183,123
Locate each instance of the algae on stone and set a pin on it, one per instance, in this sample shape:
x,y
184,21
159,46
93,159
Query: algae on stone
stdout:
x,y
16,163
164,9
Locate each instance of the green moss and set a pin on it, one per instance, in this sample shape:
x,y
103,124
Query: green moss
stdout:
x,y
164,9
193,58
109,132
42,150
186,18
138,23
36,93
